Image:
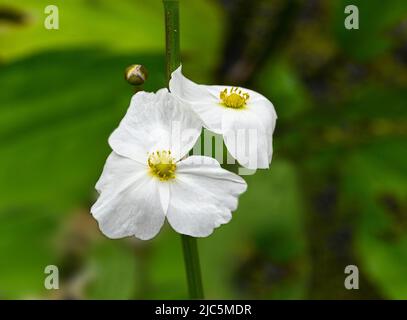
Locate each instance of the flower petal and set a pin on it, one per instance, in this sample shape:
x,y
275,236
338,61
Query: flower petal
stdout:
x,y
118,170
155,122
164,190
200,98
129,202
266,114
189,90
202,196
246,138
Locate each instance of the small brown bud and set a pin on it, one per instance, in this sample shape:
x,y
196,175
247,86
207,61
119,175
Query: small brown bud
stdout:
x,y
136,74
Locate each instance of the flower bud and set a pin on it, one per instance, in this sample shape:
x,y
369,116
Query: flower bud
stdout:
x,y
136,74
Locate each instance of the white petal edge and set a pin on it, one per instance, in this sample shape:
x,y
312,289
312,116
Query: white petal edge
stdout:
x,y
203,195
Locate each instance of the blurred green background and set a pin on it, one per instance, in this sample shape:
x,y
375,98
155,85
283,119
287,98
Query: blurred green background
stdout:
x,y
336,191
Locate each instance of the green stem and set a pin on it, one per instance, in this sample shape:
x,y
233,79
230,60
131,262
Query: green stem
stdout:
x,y
172,54
172,51
192,267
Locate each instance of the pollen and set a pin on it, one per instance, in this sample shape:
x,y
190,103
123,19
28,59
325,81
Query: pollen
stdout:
x,y
235,98
162,165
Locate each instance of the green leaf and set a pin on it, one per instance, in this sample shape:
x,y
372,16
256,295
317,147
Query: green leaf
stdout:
x,y
122,27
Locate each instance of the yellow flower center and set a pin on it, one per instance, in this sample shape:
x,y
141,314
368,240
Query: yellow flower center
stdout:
x,y
162,165
235,98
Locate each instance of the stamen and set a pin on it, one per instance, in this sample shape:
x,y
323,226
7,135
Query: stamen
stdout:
x,y
235,99
162,165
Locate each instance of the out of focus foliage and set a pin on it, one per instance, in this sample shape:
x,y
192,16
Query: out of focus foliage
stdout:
x,y
336,191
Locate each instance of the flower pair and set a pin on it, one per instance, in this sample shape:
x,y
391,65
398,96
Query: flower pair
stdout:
x,y
149,176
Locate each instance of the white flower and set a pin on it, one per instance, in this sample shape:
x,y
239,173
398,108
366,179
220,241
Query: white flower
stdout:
x,y
245,118
147,177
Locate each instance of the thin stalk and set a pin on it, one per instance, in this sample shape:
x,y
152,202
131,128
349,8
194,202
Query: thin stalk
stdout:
x,y
192,267
172,54
172,51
